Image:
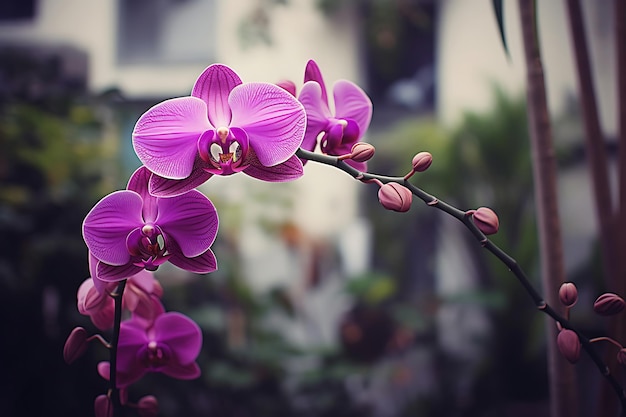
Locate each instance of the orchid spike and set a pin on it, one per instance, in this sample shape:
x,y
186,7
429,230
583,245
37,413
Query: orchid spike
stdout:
x,y
130,230
224,127
170,345
338,131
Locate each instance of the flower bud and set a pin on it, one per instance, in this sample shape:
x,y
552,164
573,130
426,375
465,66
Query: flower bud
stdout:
x,y
422,161
148,406
394,196
75,345
362,152
288,86
568,294
103,406
569,345
608,304
486,220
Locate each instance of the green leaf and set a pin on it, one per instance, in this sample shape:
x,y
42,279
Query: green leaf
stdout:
x,y
498,10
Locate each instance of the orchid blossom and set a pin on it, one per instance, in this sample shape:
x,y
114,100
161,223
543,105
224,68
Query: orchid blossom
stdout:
x,y
224,127
169,345
338,131
141,297
130,230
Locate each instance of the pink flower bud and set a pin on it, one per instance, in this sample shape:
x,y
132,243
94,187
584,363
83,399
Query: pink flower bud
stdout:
x,y
568,294
148,406
621,356
362,152
103,406
608,304
569,345
288,86
486,220
396,197
75,345
422,161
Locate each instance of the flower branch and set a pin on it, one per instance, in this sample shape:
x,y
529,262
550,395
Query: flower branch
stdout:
x,y
115,392
467,219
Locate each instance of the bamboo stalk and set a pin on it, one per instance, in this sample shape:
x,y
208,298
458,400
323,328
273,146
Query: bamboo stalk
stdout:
x,y
561,374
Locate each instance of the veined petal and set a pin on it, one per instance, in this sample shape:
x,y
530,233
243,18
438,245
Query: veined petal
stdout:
x,y
181,334
191,220
165,136
317,113
289,170
138,183
273,119
351,102
165,187
108,223
312,73
213,87
201,264
111,273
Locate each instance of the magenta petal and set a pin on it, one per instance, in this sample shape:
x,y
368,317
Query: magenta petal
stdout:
x,y
213,87
181,334
273,119
112,273
178,371
165,136
144,280
138,183
189,219
108,223
164,187
351,102
289,170
317,113
132,338
312,73
202,264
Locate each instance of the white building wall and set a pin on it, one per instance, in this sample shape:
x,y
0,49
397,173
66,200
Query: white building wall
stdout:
x,y
470,56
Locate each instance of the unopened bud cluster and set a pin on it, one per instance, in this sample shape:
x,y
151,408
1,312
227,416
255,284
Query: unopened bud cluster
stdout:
x,y
396,197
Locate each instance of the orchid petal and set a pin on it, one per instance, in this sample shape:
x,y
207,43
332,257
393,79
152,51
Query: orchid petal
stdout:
x,y
351,102
312,73
178,371
213,87
288,85
189,219
201,264
112,273
132,339
108,223
165,187
101,286
144,280
165,136
317,113
181,334
138,183
289,170
273,119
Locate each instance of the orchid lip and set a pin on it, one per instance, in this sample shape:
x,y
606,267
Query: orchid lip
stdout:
x,y
224,150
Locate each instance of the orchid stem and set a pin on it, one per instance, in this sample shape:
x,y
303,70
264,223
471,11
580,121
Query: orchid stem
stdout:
x,y
506,259
115,392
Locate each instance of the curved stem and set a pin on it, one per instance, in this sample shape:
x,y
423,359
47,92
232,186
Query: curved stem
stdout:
x,y
115,392
506,259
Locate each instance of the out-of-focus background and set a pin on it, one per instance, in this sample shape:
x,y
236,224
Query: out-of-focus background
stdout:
x,y
325,304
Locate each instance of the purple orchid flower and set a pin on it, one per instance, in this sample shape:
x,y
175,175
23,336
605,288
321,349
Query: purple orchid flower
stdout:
x,y
130,230
224,127
169,345
344,128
